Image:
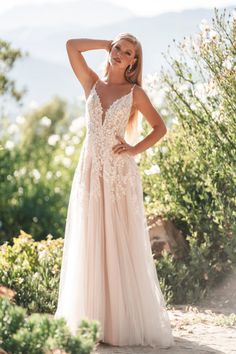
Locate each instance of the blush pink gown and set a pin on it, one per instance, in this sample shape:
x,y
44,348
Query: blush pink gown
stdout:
x,y
108,272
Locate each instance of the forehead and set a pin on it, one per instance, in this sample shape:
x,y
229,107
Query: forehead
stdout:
x,y
125,44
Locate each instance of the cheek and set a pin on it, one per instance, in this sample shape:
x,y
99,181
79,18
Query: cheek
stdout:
x,y
126,59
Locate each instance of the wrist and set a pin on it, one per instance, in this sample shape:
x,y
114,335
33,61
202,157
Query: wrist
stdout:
x,y
108,45
134,150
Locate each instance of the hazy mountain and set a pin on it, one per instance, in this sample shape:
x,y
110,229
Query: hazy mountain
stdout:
x,y
47,70
89,13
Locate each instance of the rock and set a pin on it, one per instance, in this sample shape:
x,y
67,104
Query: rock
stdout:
x,y
6,292
165,236
2,351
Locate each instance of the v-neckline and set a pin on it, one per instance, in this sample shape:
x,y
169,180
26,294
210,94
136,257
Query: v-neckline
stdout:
x,y
105,112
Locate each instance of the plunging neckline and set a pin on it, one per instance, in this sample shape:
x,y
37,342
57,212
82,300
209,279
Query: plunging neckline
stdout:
x,y
106,111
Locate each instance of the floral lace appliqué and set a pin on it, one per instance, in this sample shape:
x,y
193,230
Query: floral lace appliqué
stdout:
x,y
117,172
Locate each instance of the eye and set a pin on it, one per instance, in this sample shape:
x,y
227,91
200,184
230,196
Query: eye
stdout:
x,y
117,46
128,53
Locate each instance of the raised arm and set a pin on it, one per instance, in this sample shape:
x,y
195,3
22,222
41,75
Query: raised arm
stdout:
x,y
83,72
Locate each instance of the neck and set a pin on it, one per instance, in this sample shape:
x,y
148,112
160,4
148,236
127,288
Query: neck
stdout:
x,y
116,78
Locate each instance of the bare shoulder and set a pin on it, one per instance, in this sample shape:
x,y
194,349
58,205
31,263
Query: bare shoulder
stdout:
x,y
139,91
139,96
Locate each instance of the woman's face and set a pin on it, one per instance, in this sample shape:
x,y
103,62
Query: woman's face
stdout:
x,y
122,54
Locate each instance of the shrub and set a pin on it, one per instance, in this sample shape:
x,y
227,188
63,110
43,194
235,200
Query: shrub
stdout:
x,y
38,154
40,333
189,178
32,269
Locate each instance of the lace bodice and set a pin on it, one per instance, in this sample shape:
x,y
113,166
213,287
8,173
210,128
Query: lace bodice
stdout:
x,y
118,170
117,113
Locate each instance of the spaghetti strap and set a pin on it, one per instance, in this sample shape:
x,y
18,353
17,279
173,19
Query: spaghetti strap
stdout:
x,y
91,90
94,85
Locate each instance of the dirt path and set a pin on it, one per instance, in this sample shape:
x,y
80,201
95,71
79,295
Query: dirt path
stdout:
x,y
209,328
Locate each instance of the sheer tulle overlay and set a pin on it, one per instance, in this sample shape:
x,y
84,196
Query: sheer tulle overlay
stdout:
x,y
108,272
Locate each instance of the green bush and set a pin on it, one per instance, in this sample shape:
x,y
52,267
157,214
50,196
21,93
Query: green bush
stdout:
x,y
187,280
191,180
32,269
40,333
38,154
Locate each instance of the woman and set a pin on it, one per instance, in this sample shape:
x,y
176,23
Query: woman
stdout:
x,y
108,272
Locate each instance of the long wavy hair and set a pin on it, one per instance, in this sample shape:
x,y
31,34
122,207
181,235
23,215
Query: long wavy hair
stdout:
x,y
133,76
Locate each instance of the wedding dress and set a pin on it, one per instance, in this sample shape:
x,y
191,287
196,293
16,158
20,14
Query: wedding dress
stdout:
x,y
108,272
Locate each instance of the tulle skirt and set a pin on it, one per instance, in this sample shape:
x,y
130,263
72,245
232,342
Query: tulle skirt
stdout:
x,y
108,272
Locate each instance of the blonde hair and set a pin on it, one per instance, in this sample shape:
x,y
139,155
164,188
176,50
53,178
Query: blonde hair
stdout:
x,y
133,76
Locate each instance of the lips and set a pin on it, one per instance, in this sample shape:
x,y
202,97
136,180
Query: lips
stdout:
x,y
118,60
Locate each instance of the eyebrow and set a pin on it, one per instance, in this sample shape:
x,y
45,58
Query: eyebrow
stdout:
x,y
130,50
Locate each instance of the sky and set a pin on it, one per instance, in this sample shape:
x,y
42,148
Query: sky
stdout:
x,y
139,8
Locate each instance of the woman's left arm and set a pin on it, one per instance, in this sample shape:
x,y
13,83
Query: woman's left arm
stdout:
x,y
144,105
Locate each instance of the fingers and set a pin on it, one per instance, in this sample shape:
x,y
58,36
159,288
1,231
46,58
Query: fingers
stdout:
x,y
121,147
122,140
120,151
118,148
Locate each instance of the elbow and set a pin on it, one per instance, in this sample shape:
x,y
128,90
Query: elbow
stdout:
x,y
161,129
68,42
164,130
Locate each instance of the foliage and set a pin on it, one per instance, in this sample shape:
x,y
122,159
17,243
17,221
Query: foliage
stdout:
x,y
8,57
192,179
40,333
32,269
37,160
187,280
